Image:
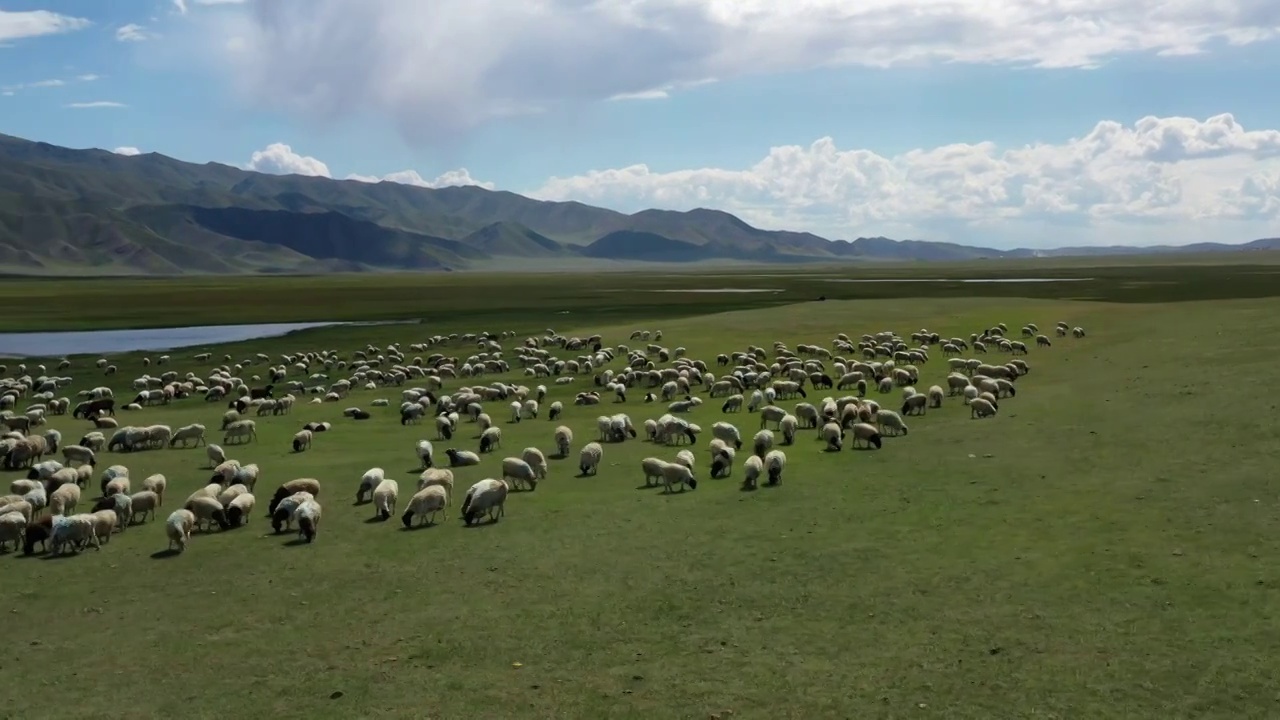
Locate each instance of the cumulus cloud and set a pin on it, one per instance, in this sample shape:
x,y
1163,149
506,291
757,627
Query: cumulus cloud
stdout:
x,y
127,150
280,159
1158,171
443,66
34,23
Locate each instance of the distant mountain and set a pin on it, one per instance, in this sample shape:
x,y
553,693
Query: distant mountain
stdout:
x,y
72,211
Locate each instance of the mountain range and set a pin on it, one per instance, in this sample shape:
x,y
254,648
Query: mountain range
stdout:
x,y
66,210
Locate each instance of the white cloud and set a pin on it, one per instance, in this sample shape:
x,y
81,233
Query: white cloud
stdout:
x,y
132,33
443,66
1160,177
96,104
89,77
452,178
34,23
280,159
127,150
181,6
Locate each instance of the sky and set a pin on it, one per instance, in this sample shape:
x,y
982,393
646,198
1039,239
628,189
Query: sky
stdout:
x,y
1004,123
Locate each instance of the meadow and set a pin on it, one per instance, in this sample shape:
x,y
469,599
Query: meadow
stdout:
x,y
1104,547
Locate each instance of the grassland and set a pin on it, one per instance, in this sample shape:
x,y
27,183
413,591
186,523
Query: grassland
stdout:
x,y
1105,547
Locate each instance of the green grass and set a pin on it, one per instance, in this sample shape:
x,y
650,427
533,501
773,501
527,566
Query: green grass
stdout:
x,y
1103,548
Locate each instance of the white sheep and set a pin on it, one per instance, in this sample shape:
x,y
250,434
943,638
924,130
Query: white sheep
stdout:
x,y
888,419
13,527
866,434
424,505
189,433
722,462
652,467
64,499
369,482
73,531
302,440
518,474
487,497
675,474
589,458
216,454
384,499
935,396
462,458
563,439
79,454
490,439
774,463
752,469
178,528
833,434
141,504
762,442
240,509
425,453
536,460
981,408
437,476
728,433
307,515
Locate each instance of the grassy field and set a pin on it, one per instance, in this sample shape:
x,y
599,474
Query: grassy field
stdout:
x,y
1105,547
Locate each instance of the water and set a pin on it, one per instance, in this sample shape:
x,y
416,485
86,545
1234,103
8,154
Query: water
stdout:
x,y
81,342
963,280
718,290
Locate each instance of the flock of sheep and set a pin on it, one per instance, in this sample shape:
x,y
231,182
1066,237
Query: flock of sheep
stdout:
x,y
40,511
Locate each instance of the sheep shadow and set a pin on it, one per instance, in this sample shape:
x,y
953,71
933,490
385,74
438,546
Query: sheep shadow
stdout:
x,y
296,542
376,519
61,556
416,528
416,471
474,526
165,554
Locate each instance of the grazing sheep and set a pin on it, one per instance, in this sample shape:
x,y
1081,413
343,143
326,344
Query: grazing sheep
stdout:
x,y
866,434
722,462
73,531
141,504
589,458
728,433
424,505
652,470
156,484
105,522
178,528
308,485
64,499
752,469
833,433
79,454
888,419
193,433
13,528
935,396
216,454
518,474
425,452
302,440
774,463
437,476
762,442
487,497
240,431
368,482
563,439
240,509
981,408
120,504
490,439
675,474
307,516
462,458
536,460
915,405
384,499
207,511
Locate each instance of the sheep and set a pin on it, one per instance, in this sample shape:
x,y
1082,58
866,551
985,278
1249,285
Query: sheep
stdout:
x,y
833,433
64,499
425,452
282,516
536,460
120,504
193,432
231,493
686,458
247,475
437,476
888,419
384,499
915,405
141,504
775,462
722,462
225,471
369,482
487,497
13,528
981,408
116,485
652,470
74,531
95,441
517,474
22,507
553,412
424,505
105,522
178,528
935,396
866,434
215,454
589,458
762,442
462,458
789,425
752,469
675,474
771,414
240,430
74,454
240,509
302,440
158,484
444,427
207,511
44,470
491,438
728,433
309,485
563,439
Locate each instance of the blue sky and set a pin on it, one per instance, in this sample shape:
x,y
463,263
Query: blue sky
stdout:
x,y
984,123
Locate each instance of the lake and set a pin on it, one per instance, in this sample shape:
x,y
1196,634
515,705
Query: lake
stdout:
x,y
81,342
